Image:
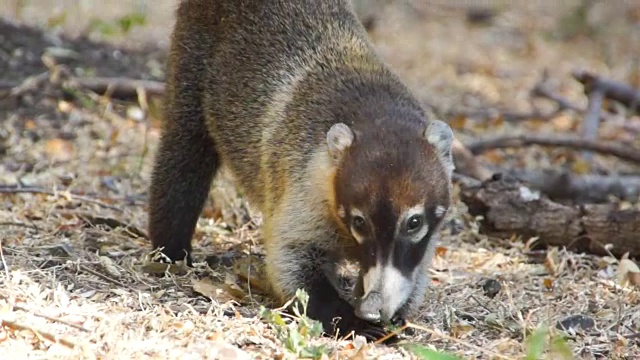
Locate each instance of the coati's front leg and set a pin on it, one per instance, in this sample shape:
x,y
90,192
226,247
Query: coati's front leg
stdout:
x,y
303,264
185,165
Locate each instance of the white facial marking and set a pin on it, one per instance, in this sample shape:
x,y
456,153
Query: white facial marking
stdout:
x,y
341,212
370,278
440,210
395,289
416,210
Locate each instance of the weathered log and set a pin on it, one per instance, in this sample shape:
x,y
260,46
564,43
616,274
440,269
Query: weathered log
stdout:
x,y
518,141
590,188
511,208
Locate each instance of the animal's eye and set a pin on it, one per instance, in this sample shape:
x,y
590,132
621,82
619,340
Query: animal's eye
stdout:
x,y
358,222
414,223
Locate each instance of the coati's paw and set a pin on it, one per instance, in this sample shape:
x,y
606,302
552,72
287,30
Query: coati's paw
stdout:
x,y
374,332
370,331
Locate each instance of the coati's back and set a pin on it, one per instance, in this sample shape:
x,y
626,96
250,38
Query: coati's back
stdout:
x,y
275,84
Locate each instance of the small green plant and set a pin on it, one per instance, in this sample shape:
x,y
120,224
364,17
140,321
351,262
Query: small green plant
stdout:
x,y
130,21
537,344
121,26
297,333
425,353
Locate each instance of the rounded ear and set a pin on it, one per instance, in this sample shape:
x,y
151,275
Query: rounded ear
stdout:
x,y
439,134
339,138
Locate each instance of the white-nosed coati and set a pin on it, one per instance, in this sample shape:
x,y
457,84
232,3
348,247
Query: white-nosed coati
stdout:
x,y
320,136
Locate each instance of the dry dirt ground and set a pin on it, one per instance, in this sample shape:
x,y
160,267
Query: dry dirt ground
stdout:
x,y
75,167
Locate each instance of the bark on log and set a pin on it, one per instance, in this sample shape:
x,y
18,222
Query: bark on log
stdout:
x,y
582,189
510,208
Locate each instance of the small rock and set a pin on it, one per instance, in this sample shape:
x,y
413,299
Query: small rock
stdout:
x,y
225,259
480,15
49,263
491,288
576,321
61,250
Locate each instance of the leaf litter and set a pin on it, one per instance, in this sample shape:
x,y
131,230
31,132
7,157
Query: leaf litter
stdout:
x,y
76,277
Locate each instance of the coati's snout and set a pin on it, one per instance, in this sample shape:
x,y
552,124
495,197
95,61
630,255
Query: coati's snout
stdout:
x,y
394,250
392,190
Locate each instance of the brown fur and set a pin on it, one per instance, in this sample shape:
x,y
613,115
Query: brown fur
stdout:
x,y
256,86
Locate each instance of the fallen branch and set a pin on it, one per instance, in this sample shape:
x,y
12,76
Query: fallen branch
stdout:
x,y
111,223
120,87
51,318
39,333
467,164
543,91
28,84
14,189
511,208
622,93
622,152
563,185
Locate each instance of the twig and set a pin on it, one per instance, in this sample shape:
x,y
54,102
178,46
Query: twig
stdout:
x,y
632,336
30,83
12,189
623,152
120,87
109,222
464,180
457,341
622,93
11,223
466,163
4,263
592,118
39,333
105,277
51,318
543,91
392,334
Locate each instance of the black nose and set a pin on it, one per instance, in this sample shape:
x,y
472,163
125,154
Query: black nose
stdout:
x,y
370,307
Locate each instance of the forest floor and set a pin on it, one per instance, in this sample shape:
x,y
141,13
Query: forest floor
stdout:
x,y
74,172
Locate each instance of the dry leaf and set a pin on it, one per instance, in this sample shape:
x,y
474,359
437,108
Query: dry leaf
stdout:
x,y
551,261
30,125
548,283
218,291
59,150
110,266
563,123
494,156
64,106
458,122
628,273
220,350
459,330
441,251
206,288
581,167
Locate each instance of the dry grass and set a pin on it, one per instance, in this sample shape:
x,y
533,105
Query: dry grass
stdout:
x,y
74,283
